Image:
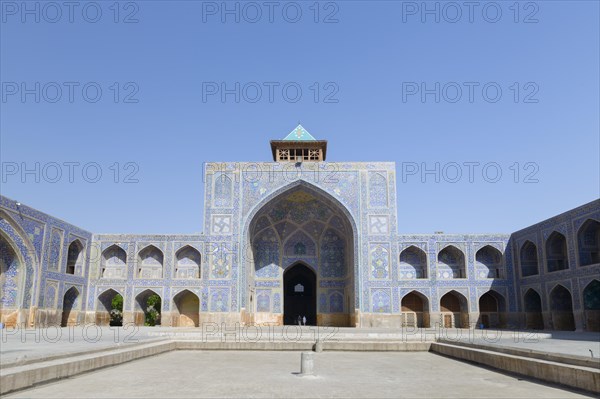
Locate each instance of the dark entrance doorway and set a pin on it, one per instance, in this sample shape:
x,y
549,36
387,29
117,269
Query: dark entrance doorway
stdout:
x,y
300,295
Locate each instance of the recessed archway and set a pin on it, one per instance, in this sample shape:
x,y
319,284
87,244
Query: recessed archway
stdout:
x,y
454,310
415,310
492,306
588,240
187,305
114,262
188,261
10,270
301,223
488,262
19,282
533,310
561,305
556,252
109,310
150,263
528,258
413,263
299,295
69,312
591,306
74,257
148,306
451,263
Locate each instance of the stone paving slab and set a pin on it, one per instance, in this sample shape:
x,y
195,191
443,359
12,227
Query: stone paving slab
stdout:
x,y
187,374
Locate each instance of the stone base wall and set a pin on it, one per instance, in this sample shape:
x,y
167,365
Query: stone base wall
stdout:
x,y
48,317
275,319
175,319
102,318
588,320
333,319
380,320
13,317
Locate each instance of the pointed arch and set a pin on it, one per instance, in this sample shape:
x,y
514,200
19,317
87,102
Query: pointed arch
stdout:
x,y
561,306
451,263
188,262
454,309
591,305
302,206
556,252
70,304
492,306
150,262
588,243
528,258
187,307
413,263
147,308
267,254
75,257
415,309
532,302
109,308
488,261
11,273
114,262
25,282
300,295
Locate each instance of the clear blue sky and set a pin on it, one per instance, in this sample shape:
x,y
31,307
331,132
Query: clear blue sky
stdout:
x,y
371,55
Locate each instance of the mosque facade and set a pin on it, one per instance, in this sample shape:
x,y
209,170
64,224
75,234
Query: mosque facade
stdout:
x,y
295,239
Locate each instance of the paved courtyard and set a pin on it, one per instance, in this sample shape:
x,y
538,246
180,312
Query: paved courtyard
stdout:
x,y
273,374
40,344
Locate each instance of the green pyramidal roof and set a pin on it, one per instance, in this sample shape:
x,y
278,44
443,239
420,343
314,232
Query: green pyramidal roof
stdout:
x,y
299,134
